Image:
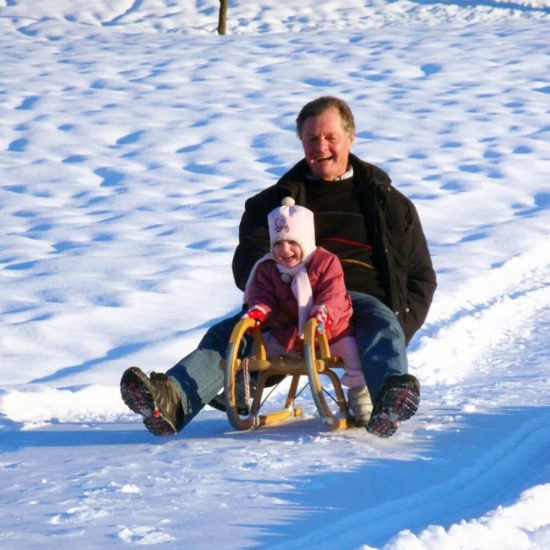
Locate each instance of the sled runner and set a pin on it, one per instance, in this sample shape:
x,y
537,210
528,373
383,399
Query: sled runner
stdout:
x,y
316,363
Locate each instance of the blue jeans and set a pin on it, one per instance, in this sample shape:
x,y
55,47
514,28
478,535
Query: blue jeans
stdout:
x,y
379,337
198,374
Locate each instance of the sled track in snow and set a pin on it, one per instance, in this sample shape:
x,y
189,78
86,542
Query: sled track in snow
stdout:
x,y
487,314
480,418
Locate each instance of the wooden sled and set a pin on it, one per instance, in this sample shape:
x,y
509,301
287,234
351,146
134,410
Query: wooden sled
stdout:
x,y
316,362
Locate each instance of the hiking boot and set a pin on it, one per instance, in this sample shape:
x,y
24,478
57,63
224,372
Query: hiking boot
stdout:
x,y
218,402
398,400
155,398
360,404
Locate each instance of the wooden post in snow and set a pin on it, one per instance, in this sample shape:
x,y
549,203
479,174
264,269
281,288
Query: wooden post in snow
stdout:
x,y
222,17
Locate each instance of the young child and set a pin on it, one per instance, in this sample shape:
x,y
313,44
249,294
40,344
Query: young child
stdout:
x,y
298,280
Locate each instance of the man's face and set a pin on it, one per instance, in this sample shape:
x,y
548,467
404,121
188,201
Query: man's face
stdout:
x,y
326,145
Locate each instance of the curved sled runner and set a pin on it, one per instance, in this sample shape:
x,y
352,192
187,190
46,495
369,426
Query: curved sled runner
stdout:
x,y
316,363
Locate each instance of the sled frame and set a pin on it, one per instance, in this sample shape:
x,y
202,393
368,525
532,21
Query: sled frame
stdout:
x,y
316,361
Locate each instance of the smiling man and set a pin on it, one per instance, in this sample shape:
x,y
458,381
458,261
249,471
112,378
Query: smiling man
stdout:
x,y
376,233
327,138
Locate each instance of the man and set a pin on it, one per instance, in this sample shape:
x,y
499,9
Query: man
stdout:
x,y
376,233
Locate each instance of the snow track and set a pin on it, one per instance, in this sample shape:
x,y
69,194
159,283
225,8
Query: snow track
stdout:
x,y
456,461
485,314
490,419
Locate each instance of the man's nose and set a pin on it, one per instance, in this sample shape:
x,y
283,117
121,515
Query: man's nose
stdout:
x,y
323,143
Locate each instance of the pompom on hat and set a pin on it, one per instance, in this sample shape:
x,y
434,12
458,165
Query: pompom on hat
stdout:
x,y
290,222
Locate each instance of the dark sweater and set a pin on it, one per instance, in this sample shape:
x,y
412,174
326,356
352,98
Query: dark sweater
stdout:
x,y
340,228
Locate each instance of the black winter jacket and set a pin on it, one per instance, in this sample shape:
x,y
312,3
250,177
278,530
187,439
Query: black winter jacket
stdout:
x,y
404,264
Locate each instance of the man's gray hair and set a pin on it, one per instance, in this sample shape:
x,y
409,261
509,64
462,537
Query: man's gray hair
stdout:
x,y
319,106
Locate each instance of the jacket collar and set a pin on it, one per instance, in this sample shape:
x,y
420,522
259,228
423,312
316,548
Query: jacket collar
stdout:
x,y
363,170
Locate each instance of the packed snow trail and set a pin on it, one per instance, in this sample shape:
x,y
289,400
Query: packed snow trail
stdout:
x,y
456,460
474,427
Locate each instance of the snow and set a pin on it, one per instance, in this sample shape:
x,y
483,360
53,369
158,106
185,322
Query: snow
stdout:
x,y
130,137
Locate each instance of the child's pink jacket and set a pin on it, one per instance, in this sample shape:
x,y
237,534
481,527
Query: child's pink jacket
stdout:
x,y
326,276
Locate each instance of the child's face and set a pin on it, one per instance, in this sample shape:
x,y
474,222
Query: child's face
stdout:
x,y
287,253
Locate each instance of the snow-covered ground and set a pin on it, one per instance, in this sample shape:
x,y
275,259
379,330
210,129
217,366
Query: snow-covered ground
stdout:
x,y
130,136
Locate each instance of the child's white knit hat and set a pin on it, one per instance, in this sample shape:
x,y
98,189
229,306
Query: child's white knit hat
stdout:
x,y
292,223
